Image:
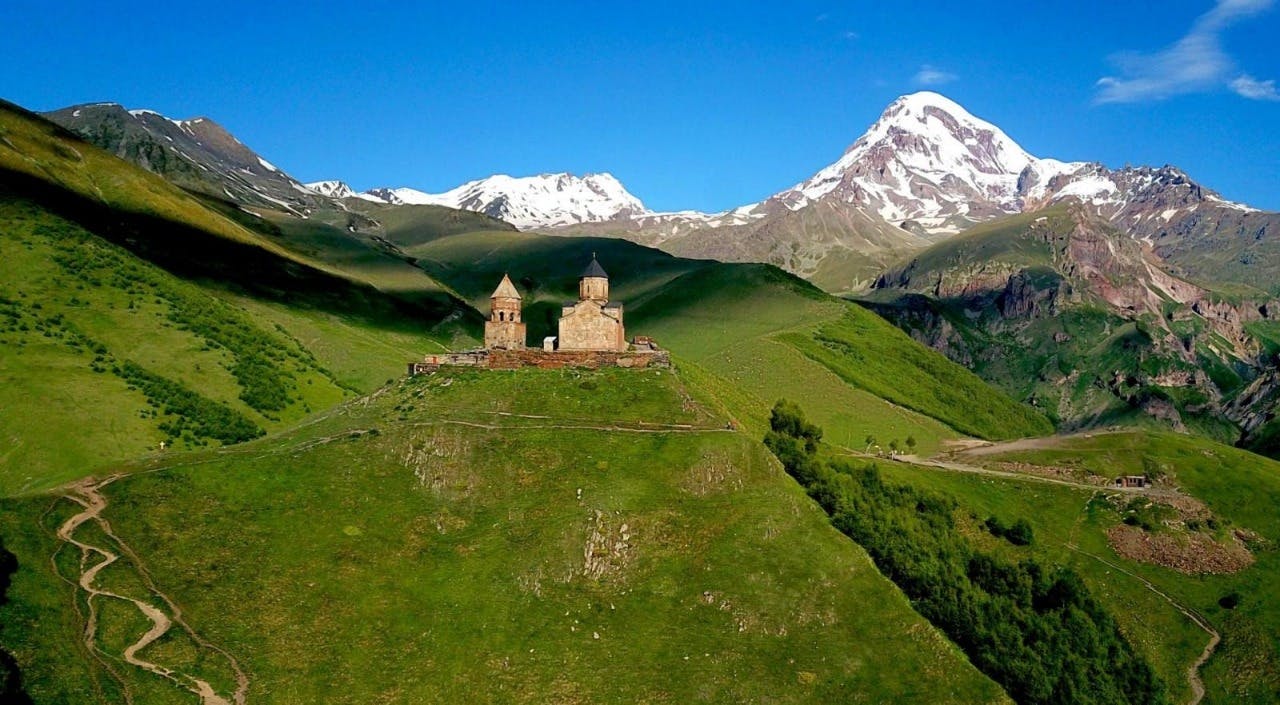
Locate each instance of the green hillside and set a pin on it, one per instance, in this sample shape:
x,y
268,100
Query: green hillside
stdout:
x,y
1071,524
532,536
132,314
754,331
1071,316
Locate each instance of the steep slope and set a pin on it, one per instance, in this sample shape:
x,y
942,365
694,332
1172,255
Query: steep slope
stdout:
x,y
926,160
125,302
1209,499
927,169
339,189
1083,321
530,536
197,154
753,331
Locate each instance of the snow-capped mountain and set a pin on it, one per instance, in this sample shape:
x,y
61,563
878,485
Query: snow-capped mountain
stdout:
x,y
926,160
542,201
926,169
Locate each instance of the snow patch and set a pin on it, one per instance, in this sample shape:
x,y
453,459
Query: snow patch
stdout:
x,y
545,200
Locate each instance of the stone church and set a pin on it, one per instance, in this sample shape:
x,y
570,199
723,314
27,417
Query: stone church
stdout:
x,y
593,322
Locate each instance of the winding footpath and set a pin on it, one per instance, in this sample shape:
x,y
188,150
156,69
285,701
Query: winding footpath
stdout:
x,y
94,559
1193,671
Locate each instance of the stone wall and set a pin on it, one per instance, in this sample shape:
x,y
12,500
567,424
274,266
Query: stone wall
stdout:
x,y
509,335
543,359
590,359
588,326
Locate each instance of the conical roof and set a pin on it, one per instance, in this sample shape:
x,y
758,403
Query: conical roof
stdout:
x,y
594,269
505,290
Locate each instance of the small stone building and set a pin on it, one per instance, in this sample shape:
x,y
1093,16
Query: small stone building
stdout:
x,y
504,330
593,322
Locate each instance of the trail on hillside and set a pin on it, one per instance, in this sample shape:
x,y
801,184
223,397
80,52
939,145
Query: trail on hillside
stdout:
x,y
1193,671
88,494
575,427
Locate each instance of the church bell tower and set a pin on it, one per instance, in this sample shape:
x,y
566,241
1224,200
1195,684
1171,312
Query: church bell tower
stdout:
x,y
504,330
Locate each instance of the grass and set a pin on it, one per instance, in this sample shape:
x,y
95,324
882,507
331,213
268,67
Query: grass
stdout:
x,y
1239,487
1057,344
443,562
865,352
93,336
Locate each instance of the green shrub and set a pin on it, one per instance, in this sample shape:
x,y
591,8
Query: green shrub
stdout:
x,y
1033,629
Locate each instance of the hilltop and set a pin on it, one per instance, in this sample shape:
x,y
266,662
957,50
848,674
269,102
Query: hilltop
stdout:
x,y
525,536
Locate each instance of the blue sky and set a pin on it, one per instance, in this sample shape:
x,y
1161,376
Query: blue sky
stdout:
x,y
690,105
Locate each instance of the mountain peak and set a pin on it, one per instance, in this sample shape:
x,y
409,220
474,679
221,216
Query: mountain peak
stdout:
x,y
926,159
541,200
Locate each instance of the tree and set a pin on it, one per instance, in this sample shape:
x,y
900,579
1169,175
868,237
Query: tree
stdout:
x,y
871,440
911,443
894,447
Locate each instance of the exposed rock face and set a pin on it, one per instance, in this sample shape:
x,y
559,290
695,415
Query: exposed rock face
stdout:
x,y
1021,298
1066,296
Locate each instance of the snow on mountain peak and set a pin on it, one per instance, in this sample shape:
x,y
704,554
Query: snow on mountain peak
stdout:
x,y
544,200
925,159
332,189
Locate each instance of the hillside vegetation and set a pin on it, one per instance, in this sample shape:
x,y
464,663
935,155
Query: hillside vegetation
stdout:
x,y
1033,628
1205,494
741,326
1067,314
525,536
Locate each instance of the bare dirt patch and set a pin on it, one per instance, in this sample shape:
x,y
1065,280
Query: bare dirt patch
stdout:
x,y
1189,553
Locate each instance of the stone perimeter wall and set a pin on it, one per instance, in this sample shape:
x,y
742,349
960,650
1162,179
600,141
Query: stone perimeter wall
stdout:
x,y
544,359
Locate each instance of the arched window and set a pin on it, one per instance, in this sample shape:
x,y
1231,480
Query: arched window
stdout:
x,y
502,315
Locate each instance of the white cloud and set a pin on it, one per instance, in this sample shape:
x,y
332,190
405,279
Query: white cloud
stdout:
x,y
933,76
1194,63
851,35
1253,89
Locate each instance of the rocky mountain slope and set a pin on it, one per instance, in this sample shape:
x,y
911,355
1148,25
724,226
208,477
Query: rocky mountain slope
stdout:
x,y
197,154
1080,319
927,169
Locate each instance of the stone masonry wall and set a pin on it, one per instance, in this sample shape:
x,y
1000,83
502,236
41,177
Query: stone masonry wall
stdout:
x,y
544,359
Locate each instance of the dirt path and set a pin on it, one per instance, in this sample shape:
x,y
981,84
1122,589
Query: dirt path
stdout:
x,y
1193,671
1038,443
573,427
979,470
87,493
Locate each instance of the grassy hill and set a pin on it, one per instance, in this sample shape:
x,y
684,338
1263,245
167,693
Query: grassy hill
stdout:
x,y
526,536
531,536
133,313
753,331
1232,490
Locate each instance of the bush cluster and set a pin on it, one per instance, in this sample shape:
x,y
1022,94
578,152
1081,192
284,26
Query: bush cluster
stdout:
x,y
192,416
1019,533
1033,629
261,359
11,690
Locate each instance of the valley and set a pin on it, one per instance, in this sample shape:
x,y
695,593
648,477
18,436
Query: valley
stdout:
x,y
219,486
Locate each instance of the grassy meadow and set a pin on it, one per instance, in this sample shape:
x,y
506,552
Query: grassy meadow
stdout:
x,y
445,540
